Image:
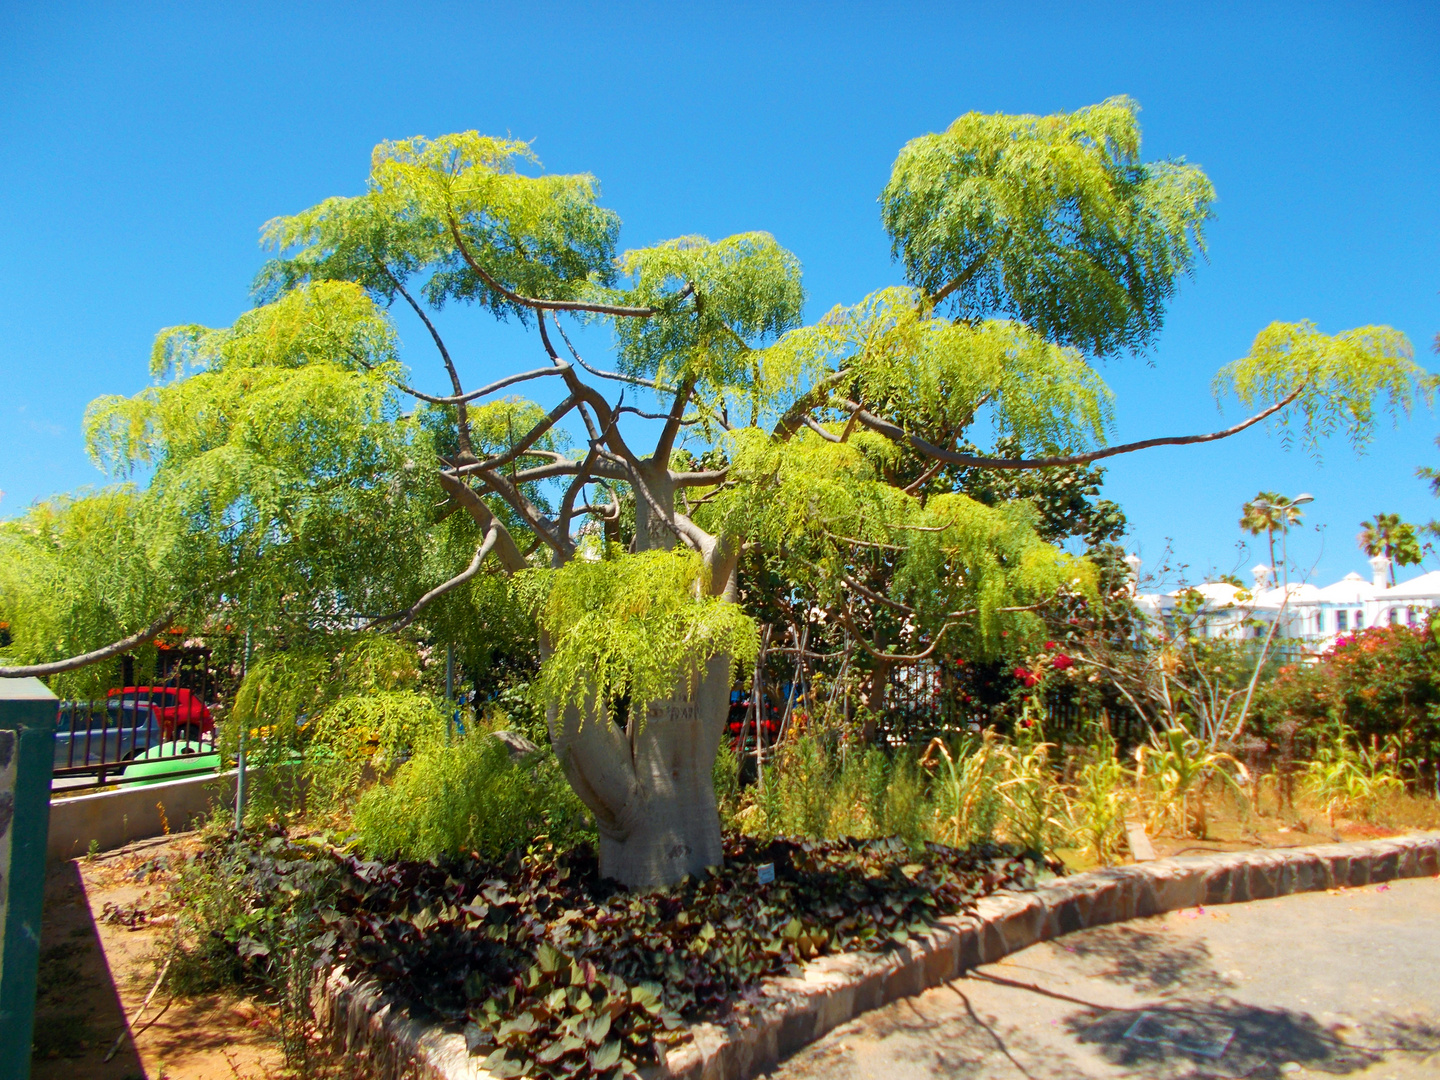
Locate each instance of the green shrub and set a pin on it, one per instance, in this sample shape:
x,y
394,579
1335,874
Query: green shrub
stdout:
x,y
1378,683
468,797
815,788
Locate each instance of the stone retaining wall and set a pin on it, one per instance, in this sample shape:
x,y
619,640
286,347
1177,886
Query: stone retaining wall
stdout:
x,y
834,989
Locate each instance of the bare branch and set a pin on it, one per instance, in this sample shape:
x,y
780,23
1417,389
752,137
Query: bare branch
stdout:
x,y
848,622
509,554
633,380
699,479
666,443
817,395
461,417
531,438
401,619
500,384
56,667
864,543
871,595
827,436
533,302
897,434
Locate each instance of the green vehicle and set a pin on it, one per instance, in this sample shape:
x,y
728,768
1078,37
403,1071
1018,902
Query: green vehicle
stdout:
x,y
171,761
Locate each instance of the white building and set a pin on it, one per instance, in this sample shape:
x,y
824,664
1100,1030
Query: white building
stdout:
x,y
1313,616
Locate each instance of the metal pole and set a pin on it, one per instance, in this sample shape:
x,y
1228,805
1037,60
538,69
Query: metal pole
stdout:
x,y
449,691
240,757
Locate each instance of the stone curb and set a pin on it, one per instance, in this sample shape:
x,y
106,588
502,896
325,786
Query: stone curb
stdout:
x,y
794,1012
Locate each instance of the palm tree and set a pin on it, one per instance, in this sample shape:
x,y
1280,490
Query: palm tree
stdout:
x,y
1387,535
1270,512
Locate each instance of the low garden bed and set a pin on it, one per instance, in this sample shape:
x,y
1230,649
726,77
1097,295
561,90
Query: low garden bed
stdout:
x,y
550,970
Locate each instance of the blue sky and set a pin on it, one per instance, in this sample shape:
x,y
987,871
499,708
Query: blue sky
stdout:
x,y
143,147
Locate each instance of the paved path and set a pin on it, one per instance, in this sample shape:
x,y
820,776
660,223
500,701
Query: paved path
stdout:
x,y
1345,983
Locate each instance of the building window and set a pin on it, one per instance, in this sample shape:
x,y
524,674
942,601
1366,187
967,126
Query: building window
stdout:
x,y
1319,622
1394,616
1360,619
1342,621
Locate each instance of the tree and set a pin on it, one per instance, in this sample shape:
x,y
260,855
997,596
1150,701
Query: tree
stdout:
x,y
1387,535
298,486
1269,512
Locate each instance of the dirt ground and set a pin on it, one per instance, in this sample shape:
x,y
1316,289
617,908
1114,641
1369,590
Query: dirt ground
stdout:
x,y
96,971
1298,824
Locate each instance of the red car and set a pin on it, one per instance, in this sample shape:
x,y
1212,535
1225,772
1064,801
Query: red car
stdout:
x,y
181,714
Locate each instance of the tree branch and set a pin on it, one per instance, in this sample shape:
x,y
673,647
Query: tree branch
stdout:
x,y
462,418
666,443
500,384
633,380
531,438
533,302
56,667
509,554
897,434
818,394
401,619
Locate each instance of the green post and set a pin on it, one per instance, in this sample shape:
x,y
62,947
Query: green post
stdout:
x,y
27,754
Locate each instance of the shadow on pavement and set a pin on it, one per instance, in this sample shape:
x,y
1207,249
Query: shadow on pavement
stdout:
x,y
77,1010
1149,961
1222,1038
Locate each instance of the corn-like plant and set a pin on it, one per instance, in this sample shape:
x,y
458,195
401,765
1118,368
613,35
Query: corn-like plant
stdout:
x,y
1101,794
967,791
1173,772
1352,779
1034,804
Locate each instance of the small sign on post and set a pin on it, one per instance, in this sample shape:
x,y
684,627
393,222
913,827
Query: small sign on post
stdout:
x,y
27,754
765,873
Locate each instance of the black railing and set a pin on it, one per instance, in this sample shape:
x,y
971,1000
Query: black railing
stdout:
x,y
167,717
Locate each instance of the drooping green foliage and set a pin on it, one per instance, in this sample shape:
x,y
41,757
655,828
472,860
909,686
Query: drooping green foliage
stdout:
x,y
364,704
78,571
934,375
449,801
538,235
280,464
1053,220
735,291
641,625
825,512
1339,379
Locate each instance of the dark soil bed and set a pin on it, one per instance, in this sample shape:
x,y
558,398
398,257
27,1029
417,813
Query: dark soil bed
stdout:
x,y
552,971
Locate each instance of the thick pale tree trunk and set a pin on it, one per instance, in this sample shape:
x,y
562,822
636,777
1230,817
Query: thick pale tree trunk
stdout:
x,y
652,792
650,786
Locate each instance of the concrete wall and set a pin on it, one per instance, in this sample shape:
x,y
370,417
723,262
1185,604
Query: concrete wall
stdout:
x,y
113,819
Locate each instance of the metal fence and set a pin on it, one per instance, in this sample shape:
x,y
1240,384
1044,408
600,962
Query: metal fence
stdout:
x,y
159,726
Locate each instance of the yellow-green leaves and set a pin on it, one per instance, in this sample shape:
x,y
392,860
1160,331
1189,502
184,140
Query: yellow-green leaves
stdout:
x,y
826,517
1053,220
714,300
641,625
79,571
933,376
538,236
1339,379
280,463
330,322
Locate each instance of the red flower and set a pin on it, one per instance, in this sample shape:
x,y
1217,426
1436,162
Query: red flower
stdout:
x,y
1049,645
1061,662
